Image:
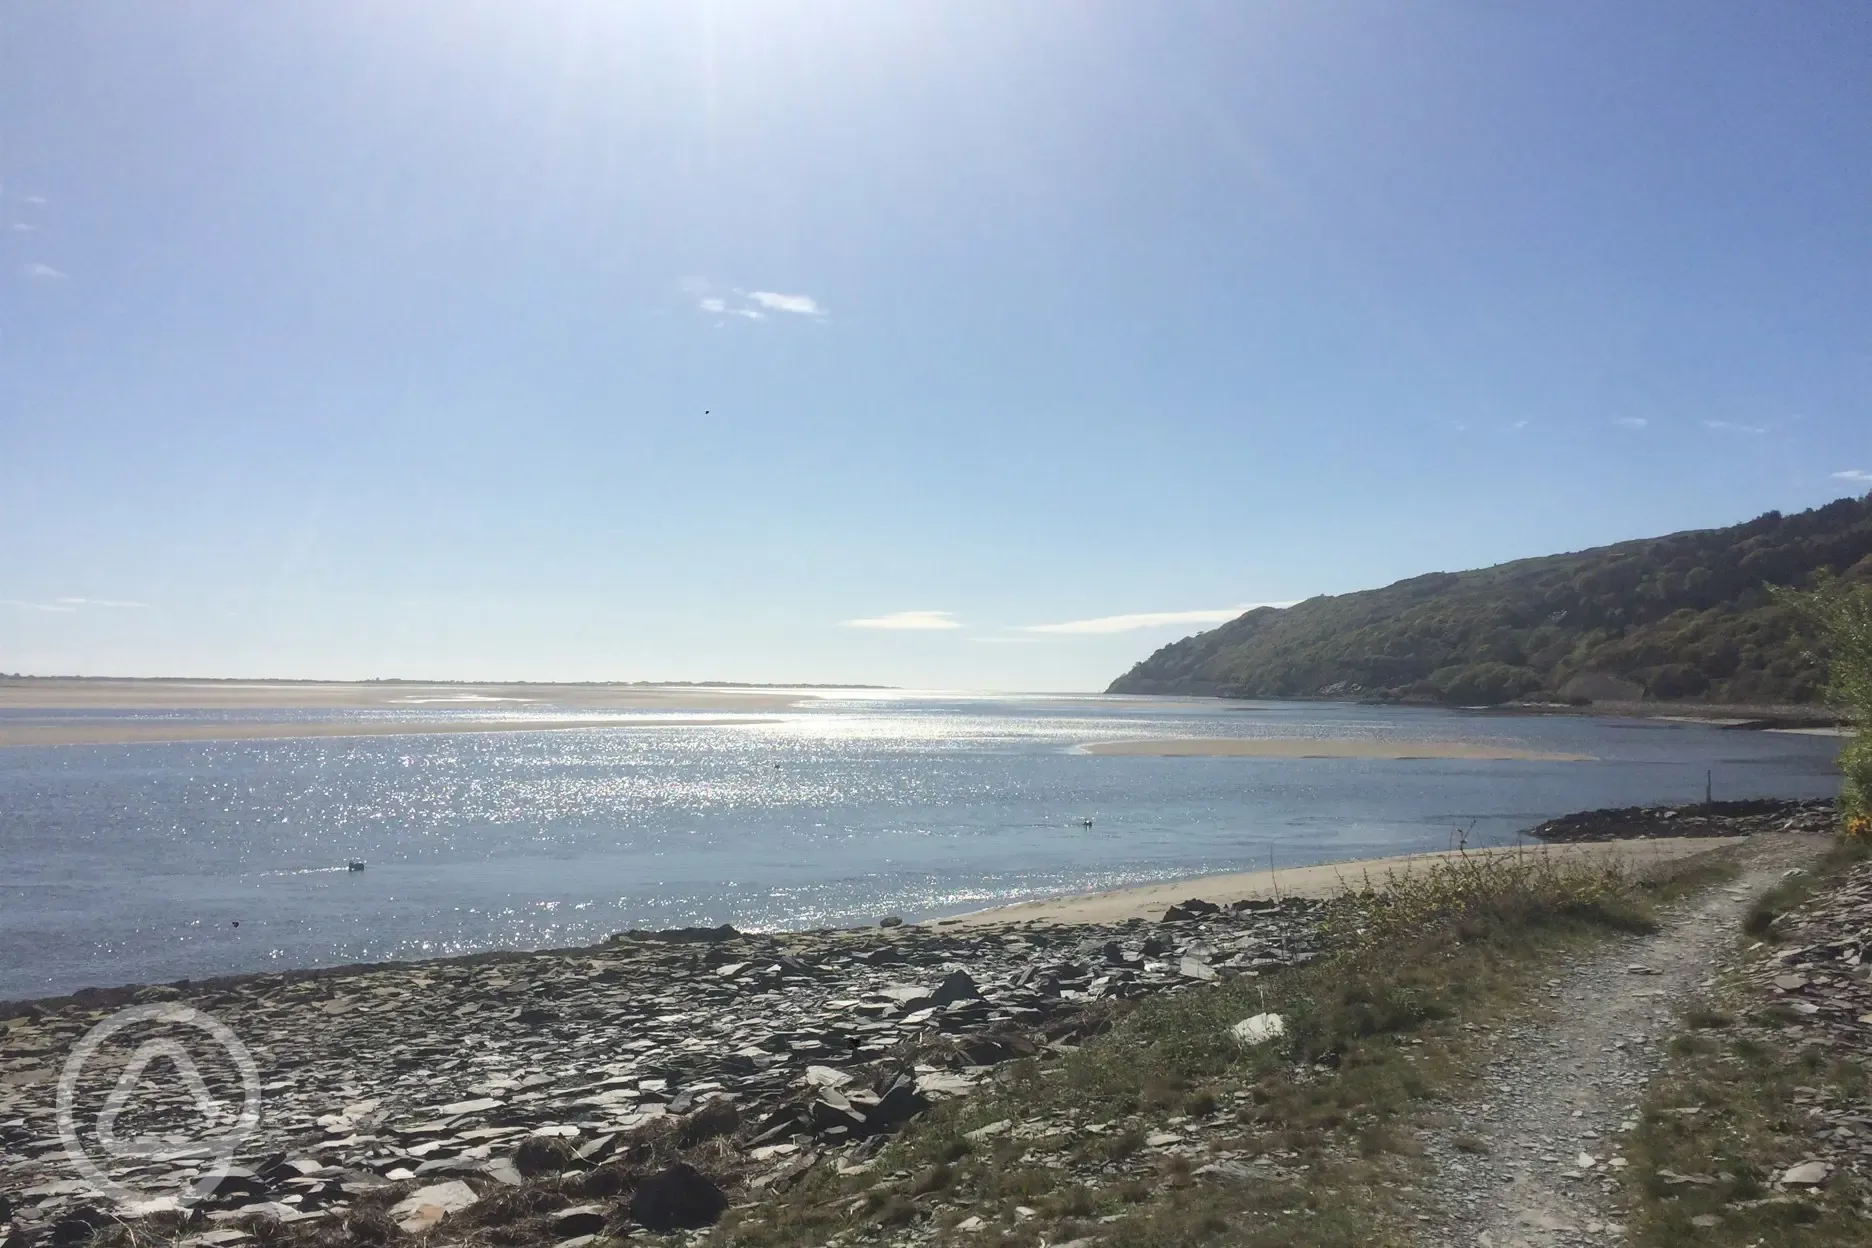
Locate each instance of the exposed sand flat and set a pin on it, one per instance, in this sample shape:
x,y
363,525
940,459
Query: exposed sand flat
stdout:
x,y
1298,747
1149,901
74,694
122,732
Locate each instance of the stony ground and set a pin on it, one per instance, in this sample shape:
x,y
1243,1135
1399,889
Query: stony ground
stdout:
x,y
1534,1159
792,1049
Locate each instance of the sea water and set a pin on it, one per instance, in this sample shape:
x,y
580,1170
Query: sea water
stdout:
x,y
153,862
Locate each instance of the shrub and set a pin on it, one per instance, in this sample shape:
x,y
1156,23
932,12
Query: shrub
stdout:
x,y
1842,610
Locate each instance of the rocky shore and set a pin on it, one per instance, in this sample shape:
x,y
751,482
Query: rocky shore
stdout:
x,y
1741,818
684,1068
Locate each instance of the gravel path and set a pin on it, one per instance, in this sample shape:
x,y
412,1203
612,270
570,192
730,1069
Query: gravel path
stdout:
x,y
1531,1161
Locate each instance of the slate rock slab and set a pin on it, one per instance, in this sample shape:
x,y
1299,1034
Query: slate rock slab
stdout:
x,y
680,1198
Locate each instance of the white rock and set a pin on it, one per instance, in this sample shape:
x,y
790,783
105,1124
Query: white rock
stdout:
x,y
1260,1029
826,1077
1807,1174
993,1129
426,1206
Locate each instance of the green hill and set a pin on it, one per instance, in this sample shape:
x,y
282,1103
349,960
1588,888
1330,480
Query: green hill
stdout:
x,y
1680,617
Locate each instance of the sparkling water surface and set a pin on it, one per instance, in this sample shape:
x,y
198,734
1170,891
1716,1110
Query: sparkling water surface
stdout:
x,y
133,863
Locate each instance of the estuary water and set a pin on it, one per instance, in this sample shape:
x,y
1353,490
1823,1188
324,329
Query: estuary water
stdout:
x,y
154,862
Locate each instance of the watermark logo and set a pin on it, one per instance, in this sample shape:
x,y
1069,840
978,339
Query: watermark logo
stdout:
x,y
210,1138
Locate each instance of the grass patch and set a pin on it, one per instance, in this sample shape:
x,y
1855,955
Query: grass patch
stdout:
x,y
1321,1141
1755,1110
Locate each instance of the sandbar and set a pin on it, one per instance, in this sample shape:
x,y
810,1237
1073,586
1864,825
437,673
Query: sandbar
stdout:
x,y
1149,901
1306,747
151,731
38,693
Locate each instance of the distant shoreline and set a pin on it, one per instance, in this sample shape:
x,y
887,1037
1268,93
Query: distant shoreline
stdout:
x,y
21,679
1313,747
46,711
45,693
1718,714
155,732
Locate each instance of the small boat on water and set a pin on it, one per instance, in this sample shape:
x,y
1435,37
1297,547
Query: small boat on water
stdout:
x,y
354,864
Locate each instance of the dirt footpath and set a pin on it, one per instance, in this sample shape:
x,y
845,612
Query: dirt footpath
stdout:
x,y
1532,1160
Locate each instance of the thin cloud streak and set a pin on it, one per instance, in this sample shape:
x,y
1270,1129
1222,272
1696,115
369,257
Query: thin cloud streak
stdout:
x,y
1729,426
908,621
1858,476
66,606
1631,422
802,305
42,272
1149,619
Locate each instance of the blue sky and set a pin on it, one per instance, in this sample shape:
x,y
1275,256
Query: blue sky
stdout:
x,y
665,341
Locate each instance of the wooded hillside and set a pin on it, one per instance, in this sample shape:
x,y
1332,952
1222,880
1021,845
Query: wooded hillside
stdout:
x,y
1685,616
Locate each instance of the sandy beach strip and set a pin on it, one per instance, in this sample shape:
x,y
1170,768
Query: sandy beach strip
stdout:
x,y
52,694
1307,747
152,731
1149,901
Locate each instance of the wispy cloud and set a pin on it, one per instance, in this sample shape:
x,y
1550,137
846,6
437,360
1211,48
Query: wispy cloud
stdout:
x,y
1729,426
1149,619
1858,476
70,604
43,272
749,305
801,305
909,621
1631,422
720,308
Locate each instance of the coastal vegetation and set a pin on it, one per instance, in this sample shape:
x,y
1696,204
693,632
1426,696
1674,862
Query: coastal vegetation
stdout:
x,y
1841,612
1689,616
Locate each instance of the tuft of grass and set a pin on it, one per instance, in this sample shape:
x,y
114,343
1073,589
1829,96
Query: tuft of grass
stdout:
x,y
1791,892
1707,1018
934,1178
